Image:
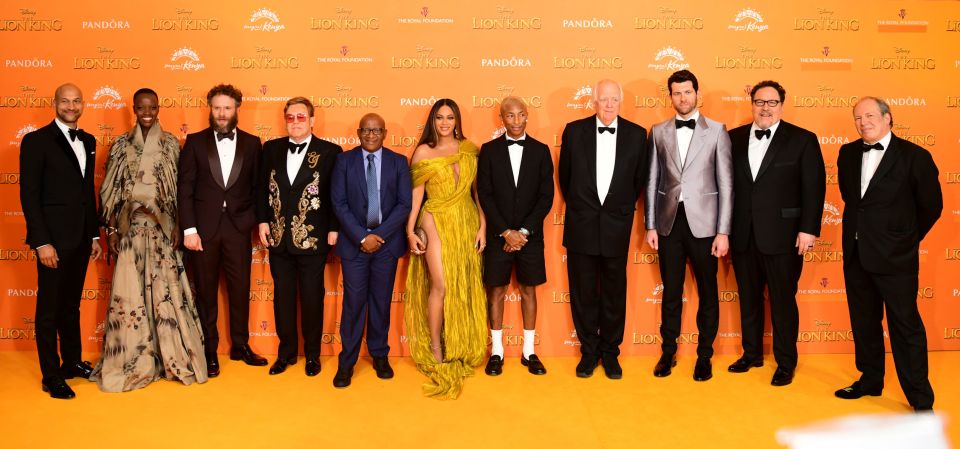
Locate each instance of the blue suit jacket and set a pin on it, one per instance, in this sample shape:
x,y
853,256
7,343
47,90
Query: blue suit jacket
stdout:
x,y
348,193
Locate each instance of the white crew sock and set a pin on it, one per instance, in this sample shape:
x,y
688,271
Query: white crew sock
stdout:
x,y
496,336
528,337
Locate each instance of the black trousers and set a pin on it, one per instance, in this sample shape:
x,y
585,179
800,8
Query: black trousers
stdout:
x,y
58,310
598,300
780,273
867,295
291,272
674,250
230,250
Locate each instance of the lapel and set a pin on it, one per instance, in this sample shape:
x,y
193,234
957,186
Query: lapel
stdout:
x,y
696,142
780,139
670,146
620,155
237,161
741,144
64,145
312,157
504,161
886,163
590,144
213,157
91,158
358,166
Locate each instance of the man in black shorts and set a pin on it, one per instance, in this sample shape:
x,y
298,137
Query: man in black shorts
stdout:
x,y
515,186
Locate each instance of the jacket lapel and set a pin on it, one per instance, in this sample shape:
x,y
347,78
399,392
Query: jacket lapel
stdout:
x,y
359,169
779,139
213,157
696,143
91,149
504,161
64,145
741,143
886,162
590,144
311,158
238,156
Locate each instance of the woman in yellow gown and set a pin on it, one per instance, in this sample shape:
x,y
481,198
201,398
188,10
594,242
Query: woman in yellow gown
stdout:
x,y
446,307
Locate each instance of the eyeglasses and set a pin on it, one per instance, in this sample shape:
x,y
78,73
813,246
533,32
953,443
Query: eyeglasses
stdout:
x,y
374,131
771,103
296,118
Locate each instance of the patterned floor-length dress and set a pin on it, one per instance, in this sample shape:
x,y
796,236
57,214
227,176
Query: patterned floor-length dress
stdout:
x,y
465,304
152,328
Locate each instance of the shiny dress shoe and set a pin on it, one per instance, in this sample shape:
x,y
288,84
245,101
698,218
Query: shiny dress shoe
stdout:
x,y
611,367
213,366
533,364
79,369
494,366
781,377
343,377
586,366
382,366
58,389
665,365
247,355
313,367
703,370
743,364
281,365
856,391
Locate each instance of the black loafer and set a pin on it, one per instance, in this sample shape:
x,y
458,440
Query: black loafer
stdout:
x,y
246,354
782,377
494,366
611,367
703,370
534,365
382,366
587,364
856,391
58,389
743,364
213,366
343,377
313,367
79,369
665,365
281,365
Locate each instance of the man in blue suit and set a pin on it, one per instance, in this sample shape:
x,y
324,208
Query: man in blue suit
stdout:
x,y
371,192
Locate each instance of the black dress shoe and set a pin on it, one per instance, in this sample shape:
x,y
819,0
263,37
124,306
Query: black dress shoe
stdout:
x,y
611,367
58,389
781,377
382,366
533,364
247,355
494,366
79,369
343,377
856,391
923,409
703,370
313,367
587,364
743,364
281,365
213,366
665,365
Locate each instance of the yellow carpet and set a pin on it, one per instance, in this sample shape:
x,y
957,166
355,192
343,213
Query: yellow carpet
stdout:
x,y
246,408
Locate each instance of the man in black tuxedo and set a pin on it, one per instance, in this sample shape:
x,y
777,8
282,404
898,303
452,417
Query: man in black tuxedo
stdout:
x,y
515,187
298,226
371,194
56,194
779,183
602,173
218,171
892,198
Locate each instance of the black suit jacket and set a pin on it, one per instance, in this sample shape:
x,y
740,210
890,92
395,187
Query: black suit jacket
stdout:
x,y
59,204
200,188
787,196
590,227
510,206
901,204
300,215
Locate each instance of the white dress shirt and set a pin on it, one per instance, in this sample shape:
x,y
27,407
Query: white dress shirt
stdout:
x,y
870,161
294,161
516,156
76,145
757,148
684,136
606,158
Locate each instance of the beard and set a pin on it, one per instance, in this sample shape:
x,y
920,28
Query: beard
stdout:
x,y
230,125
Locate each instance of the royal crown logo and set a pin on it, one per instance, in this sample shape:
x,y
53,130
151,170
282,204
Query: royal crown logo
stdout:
x,y
107,97
748,20
344,50
826,51
264,19
424,11
672,60
185,58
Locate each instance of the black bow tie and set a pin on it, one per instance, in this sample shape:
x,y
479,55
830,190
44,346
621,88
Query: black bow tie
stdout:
x,y
611,129
74,133
516,142
761,133
688,123
877,146
296,148
229,135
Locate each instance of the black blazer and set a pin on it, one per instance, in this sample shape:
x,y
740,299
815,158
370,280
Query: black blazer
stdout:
x,y
300,215
59,204
901,204
200,188
787,196
509,206
589,227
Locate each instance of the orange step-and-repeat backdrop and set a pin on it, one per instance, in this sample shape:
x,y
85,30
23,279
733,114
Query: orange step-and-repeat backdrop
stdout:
x,y
396,58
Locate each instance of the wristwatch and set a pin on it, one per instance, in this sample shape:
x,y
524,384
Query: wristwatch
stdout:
x,y
525,232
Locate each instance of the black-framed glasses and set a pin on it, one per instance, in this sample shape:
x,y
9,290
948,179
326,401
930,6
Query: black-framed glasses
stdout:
x,y
771,103
374,131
